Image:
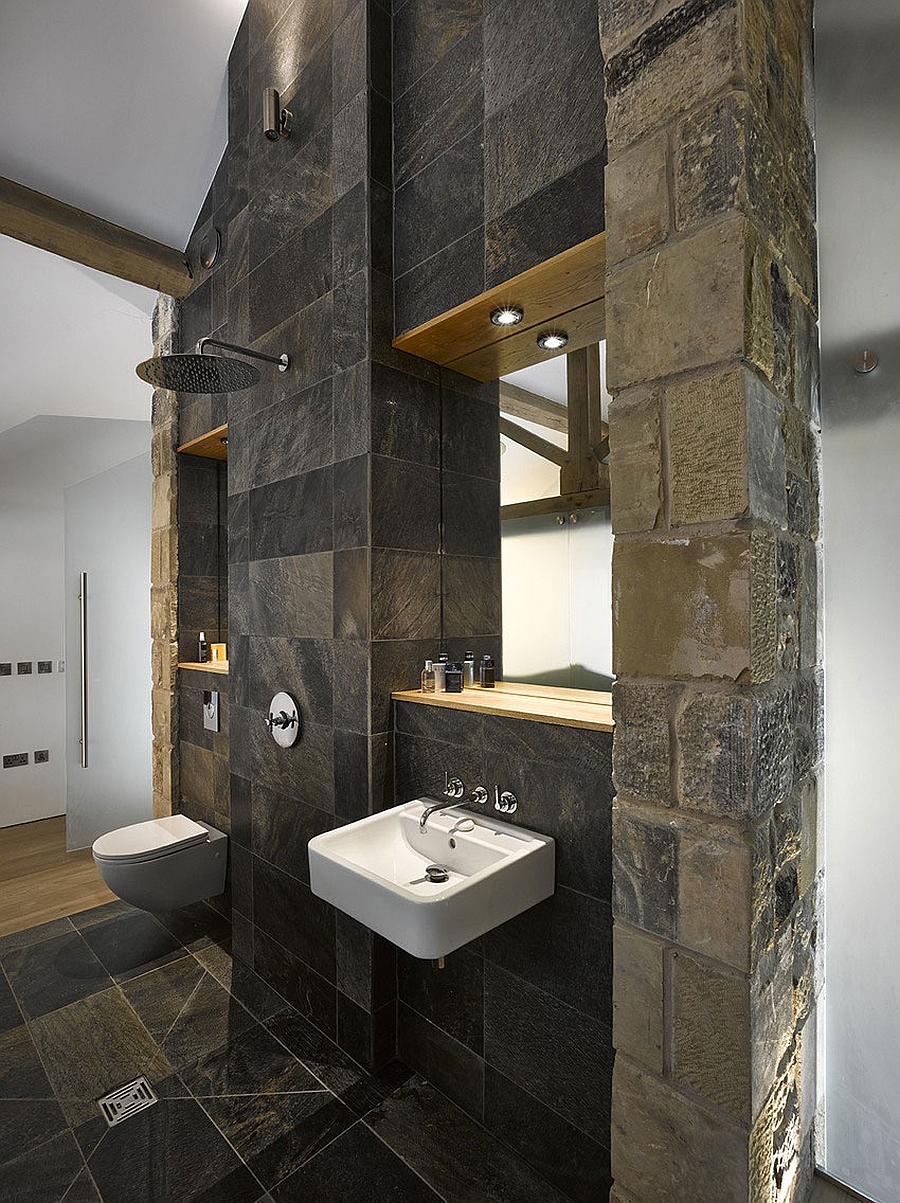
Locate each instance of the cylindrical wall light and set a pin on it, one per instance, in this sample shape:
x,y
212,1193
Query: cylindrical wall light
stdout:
x,y
276,120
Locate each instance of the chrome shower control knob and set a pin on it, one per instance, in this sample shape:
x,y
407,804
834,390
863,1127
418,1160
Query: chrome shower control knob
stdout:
x,y
479,795
283,720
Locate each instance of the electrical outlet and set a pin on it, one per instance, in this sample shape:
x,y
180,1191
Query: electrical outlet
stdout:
x,y
16,760
23,668
45,666
42,756
5,669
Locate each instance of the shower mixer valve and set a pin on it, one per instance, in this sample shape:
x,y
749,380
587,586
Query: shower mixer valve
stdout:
x,y
283,720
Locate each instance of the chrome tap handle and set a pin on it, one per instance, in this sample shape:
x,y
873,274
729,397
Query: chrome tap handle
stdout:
x,y
453,786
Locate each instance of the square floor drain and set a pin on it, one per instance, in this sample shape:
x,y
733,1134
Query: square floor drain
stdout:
x,y
125,1101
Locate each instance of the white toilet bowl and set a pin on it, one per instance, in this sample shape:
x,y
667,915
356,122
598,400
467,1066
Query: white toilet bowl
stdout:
x,y
164,863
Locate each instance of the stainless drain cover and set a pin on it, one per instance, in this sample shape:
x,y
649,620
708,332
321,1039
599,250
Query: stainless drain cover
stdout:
x,y
437,873
123,1102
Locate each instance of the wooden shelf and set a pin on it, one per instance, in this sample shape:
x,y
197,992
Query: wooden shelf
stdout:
x,y
567,291
535,703
211,666
209,445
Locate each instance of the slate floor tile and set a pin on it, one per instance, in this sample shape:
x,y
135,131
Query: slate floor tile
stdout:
x,y
170,1153
10,1015
196,926
428,1131
246,986
102,914
352,1084
131,944
83,1189
348,1168
277,1133
93,1046
21,1073
54,973
25,1123
45,1173
159,996
34,935
209,1019
253,1062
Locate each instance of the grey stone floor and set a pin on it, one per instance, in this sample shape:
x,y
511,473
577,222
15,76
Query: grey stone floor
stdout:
x,y
255,1105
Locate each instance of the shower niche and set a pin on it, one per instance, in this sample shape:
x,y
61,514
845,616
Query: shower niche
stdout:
x,y
203,547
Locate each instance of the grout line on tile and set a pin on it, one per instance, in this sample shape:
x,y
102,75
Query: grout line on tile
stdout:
x,y
325,1146
399,1157
168,1032
255,1177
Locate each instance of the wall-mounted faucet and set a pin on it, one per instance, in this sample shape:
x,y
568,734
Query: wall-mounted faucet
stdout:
x,y
454,790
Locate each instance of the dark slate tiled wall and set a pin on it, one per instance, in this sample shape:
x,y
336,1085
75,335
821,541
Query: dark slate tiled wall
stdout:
x,y
499,143
204,755
517,1028
202,553
347,561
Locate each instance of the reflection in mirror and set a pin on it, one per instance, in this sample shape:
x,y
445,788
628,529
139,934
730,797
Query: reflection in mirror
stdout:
x,y
556,536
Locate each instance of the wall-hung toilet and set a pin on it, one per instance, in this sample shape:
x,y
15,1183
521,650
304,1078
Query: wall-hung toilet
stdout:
x,y
164,863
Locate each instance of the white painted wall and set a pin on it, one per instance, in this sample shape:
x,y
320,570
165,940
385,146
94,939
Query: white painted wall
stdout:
x,y
858,150
37,461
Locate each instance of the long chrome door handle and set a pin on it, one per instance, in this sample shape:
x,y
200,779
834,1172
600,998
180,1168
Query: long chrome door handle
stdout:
x,y
83,617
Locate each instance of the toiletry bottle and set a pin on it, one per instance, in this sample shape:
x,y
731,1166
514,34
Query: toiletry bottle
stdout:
x,y
486,672
428,677
469,671
440,670
202,649
453,678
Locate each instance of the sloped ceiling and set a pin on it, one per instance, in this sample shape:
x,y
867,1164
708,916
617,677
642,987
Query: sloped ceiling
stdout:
x,y
118,107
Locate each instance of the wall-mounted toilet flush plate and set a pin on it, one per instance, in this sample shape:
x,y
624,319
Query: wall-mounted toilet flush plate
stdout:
x,y
283,720
210,710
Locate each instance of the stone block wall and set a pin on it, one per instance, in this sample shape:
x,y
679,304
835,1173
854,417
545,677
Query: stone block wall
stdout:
x,y
164,571
499,144
718,705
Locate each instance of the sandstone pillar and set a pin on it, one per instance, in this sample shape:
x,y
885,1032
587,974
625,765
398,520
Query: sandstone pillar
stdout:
x,y
711,302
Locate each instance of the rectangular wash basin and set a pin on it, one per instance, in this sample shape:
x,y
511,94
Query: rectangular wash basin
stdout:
x,y
374,871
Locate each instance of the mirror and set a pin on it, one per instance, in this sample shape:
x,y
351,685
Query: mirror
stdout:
x,y
556,534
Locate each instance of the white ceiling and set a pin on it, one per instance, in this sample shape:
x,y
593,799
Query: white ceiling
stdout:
x,y
118,107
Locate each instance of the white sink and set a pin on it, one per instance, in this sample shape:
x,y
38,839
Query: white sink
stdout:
x,y
374,870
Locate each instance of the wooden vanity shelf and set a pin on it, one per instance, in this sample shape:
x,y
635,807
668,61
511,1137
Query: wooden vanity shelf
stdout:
x,y
535,703
211,666
209,445
566,292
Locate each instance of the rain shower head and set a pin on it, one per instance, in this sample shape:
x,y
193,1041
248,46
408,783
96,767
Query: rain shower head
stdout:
x,y
201,373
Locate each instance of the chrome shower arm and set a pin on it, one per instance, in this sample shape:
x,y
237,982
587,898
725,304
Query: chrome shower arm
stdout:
x,y
282,361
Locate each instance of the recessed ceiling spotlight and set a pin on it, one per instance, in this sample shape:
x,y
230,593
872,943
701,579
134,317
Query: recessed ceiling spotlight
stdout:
x,y
507,315
554,340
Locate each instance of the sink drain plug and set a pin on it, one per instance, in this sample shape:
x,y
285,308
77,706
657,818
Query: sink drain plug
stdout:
x,y
437,873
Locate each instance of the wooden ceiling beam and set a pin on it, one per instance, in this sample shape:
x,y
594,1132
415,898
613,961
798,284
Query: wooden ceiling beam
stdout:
x,y
533,442
589,499
51,225
532,407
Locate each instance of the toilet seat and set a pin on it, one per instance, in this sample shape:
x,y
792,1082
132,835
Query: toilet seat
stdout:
x,y
149,841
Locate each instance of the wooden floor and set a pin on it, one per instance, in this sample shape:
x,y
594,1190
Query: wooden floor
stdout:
x,y
40,881
827,1192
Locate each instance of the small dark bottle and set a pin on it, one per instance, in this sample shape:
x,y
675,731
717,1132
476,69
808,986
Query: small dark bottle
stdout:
x,y
202,649
486,672
453,678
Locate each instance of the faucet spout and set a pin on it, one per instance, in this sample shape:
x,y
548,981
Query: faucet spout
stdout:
x,y
430,807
